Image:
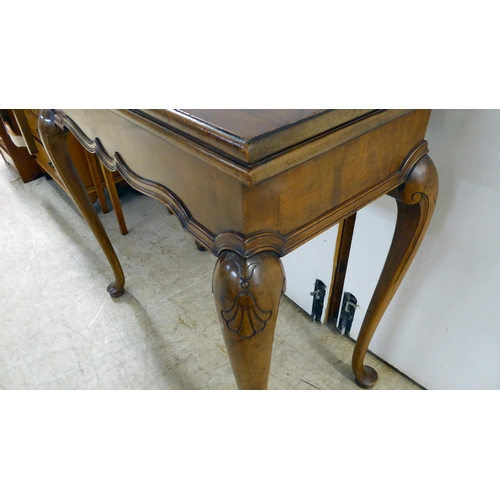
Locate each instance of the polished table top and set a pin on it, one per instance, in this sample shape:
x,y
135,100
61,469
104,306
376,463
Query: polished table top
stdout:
x,y
249,135
251,186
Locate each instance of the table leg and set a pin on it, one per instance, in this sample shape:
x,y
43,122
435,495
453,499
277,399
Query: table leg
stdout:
x,y
115,201
247,294
416,199
54,141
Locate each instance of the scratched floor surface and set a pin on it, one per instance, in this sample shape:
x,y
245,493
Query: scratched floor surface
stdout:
x,y
59,328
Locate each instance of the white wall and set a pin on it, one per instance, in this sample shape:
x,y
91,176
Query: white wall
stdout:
x,y
442,328
306,264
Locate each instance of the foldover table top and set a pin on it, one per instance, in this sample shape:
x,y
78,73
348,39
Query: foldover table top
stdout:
x,y
254,145
251,186
249,135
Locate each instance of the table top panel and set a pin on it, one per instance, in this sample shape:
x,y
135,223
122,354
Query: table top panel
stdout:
x,y
250,135
251,124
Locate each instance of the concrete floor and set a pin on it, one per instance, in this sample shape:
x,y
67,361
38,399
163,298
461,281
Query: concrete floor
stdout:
x,y
60,329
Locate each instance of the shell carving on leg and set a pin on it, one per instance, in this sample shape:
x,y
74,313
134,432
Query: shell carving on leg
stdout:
x,y
246,316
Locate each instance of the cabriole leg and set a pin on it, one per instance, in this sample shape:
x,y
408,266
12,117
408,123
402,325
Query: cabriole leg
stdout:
x,y
247,294
416,199
54,141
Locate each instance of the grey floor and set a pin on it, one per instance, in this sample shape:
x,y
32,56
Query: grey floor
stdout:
x,y
60,329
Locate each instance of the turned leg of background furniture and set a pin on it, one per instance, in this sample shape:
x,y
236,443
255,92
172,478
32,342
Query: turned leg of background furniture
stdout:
x,y
94,172
115,201
54,141
247,294
416,199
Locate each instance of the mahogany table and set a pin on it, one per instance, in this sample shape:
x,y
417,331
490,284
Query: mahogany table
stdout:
x,y
253,185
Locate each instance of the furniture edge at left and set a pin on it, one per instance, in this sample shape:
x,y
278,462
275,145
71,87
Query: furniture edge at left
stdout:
x,y
22,148
14,154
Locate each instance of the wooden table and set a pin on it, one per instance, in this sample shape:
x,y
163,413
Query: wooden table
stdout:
x,y
253,185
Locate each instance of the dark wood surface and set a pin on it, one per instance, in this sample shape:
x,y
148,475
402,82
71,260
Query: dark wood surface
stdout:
x,y
250,206
252,134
